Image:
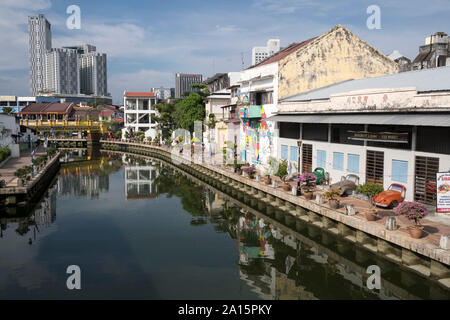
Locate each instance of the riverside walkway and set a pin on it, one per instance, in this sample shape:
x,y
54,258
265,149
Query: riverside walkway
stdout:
x,y
424,256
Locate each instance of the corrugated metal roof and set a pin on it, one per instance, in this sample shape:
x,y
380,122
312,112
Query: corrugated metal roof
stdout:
x,y
434,120
436,79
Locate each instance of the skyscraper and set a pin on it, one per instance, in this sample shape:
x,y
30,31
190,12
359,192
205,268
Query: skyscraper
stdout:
x,y
183,82
68,70
40,42
61,71
93,74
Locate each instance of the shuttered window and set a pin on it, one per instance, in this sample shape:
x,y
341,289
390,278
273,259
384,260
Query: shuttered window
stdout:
x,y
307,158
338,161
425,179
353,163
375,167
284,152
321,158
294,154
400,171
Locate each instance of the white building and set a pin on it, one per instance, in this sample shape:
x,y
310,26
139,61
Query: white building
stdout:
x,y
9,134
15,102
257,100
139,113
389,129
261,53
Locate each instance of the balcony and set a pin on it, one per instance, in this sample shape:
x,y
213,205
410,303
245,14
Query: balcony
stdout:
x,y
251,112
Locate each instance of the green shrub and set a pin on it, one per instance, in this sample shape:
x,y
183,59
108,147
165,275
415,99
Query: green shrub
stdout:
x,y
369,189
282,171
4,153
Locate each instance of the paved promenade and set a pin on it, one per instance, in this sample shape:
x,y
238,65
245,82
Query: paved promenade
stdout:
x,y
8,169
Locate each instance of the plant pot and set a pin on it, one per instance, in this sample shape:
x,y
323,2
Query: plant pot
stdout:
x,y
334,203
416,232
287,187
371,215
268,180
308,195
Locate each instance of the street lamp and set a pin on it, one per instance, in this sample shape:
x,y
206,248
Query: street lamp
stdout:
x,y
299,161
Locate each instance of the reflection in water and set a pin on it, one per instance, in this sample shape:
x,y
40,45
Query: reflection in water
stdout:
x,y
180,239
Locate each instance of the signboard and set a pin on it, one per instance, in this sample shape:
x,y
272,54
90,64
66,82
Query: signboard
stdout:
x,y
443,192
379,136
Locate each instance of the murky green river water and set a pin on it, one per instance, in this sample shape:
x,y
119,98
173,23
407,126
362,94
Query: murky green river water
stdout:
x,y
139,229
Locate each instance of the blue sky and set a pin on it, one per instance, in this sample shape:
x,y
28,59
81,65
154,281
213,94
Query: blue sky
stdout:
x,y
147,42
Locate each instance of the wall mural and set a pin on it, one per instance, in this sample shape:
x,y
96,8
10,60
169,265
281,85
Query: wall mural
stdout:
x,y
256,137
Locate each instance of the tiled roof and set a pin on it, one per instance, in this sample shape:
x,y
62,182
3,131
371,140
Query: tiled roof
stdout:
x,y
59,108
283,53
140,94
37,108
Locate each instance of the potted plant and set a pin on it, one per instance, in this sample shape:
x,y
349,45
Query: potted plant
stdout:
x,y
414,211
307,179
282,173
267,179
20,174
370,190
237,167
250,171
332,197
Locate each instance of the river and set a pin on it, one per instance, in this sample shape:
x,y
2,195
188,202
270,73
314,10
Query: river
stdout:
x,y
139,229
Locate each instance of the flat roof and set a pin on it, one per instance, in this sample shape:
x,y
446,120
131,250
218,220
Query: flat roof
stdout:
x,y
426,80
415,119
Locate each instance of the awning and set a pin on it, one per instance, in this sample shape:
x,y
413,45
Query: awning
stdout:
x,y
429,119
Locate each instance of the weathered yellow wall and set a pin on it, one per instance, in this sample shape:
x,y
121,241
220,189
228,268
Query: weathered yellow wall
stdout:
x,y
333,57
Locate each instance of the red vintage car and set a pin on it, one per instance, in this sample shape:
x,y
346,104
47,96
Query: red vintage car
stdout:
x,y
391,197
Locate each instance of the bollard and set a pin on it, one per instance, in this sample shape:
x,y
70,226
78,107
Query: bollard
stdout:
x,y
391,223
445,242
319,199
350,210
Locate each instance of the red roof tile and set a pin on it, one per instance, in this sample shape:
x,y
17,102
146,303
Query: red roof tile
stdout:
x,y
283,53
140,94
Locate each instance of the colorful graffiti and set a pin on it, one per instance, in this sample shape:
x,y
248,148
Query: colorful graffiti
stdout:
x,y
256,134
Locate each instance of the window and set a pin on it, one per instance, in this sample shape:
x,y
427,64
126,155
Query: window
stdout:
x,y
315,132
284,152
338,161
321,158
290,130
353,163
400,171
294,154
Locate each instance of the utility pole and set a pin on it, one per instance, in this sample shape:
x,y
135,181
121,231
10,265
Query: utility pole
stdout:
x,y
242,59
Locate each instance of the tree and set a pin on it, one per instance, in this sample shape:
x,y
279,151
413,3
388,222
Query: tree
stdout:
x,y
7,110
191,108
165,118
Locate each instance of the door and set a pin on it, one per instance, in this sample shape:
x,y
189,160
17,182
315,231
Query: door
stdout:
x,y
307,157
426,169
375,167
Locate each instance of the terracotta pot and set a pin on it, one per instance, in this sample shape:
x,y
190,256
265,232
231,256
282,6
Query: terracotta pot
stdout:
x,y
308,195
268,181
334,203
287,187
371,215
416,232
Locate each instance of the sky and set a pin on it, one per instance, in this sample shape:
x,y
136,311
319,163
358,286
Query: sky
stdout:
x,y
148,41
